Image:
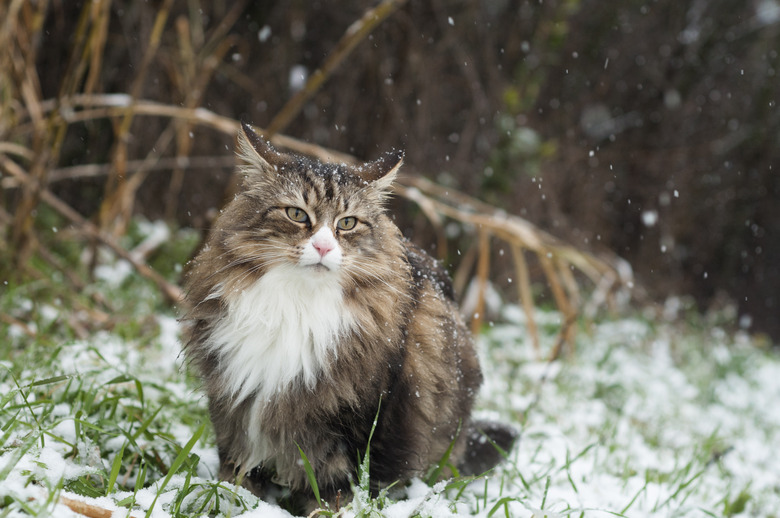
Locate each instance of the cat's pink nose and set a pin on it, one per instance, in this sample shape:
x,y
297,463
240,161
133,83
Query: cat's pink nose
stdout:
x,y
322,247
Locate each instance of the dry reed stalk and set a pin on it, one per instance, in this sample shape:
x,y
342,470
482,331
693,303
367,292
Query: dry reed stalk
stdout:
x,y
81,171
115,211
172,292
354,34
556,258
524,293
185,74
9,85
48,132
15,322
100,13
460,279
556,287
429,211
114,105
192,76
483,271
564,337
19,37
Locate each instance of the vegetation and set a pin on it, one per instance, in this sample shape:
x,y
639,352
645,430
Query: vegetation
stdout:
x,y
40,134
117,121
652,415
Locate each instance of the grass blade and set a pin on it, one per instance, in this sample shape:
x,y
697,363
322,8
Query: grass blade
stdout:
x,y
180,458
310,474
49,381
501,503
115,467
17,454
434,476
364,465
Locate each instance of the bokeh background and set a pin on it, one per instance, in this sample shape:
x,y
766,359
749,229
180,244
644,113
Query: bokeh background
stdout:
x,y
645,128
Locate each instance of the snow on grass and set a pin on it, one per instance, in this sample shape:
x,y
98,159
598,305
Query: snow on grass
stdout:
x,y
644,421
645,418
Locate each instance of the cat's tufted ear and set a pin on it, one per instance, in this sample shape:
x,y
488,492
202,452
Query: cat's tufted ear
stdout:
x,y
382,172
256,151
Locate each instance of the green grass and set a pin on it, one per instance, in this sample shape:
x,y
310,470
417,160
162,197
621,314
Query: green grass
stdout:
x,y
647,418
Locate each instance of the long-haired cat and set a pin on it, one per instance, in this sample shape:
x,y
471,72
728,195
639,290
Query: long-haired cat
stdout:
x,y
311,315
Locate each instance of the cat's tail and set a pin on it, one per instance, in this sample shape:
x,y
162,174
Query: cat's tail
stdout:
x,y
487,444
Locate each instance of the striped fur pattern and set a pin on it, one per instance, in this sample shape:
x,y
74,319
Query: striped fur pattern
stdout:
x,y
308,308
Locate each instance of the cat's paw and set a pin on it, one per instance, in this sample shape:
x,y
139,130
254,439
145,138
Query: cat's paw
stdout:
x,y
487,444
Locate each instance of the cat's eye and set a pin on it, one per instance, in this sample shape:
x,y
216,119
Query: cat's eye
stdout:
x,y
347,223
297,215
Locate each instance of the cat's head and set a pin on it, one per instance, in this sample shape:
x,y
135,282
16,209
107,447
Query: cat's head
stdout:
x,y
295,211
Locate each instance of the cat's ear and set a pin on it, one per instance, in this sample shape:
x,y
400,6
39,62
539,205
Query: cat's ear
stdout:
x,y
382,172
256,151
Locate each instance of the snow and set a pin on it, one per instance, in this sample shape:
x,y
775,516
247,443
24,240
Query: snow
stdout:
x,y
297,77
660,418
264,510
642,419
264,34
114,274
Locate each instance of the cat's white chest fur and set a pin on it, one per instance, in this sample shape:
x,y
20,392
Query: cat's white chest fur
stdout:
x,y
279,331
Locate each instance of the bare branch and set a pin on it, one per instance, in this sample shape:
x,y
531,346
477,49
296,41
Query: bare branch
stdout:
x,y
438,203
171,291
354,34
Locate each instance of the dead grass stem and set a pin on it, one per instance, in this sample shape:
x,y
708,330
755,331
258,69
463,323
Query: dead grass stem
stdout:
x,y
32,130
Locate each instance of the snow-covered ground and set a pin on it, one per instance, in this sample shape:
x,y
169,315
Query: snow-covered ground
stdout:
x,y
645,418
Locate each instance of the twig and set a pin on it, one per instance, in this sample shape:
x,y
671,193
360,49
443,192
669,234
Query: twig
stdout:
x,y
429,210
194,76
11,321
97,170
483,270
353,35
557,290
524,293
117,204
113,105
22,56
461,277
554,256
564,337
171,291
436,202
85,509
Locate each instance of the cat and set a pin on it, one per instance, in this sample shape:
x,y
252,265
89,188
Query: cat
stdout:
x,y
311,316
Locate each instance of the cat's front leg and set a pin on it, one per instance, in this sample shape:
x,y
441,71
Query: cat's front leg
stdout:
x,y
332,497
258,481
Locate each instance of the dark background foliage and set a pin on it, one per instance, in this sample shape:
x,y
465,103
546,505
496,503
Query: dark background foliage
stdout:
x,y
649,128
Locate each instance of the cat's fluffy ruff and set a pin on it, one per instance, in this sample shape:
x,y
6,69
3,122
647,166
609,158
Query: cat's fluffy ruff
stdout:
x,y
390,331
305,313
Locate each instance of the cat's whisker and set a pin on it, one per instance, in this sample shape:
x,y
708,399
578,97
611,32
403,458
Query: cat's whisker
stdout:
x,y
246,259
379,272
377,278
257,267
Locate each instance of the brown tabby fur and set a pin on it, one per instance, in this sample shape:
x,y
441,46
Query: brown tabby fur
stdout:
x,y
407,346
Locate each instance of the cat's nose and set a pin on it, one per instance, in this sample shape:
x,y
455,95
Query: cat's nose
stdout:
x,y
323,241
322,247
